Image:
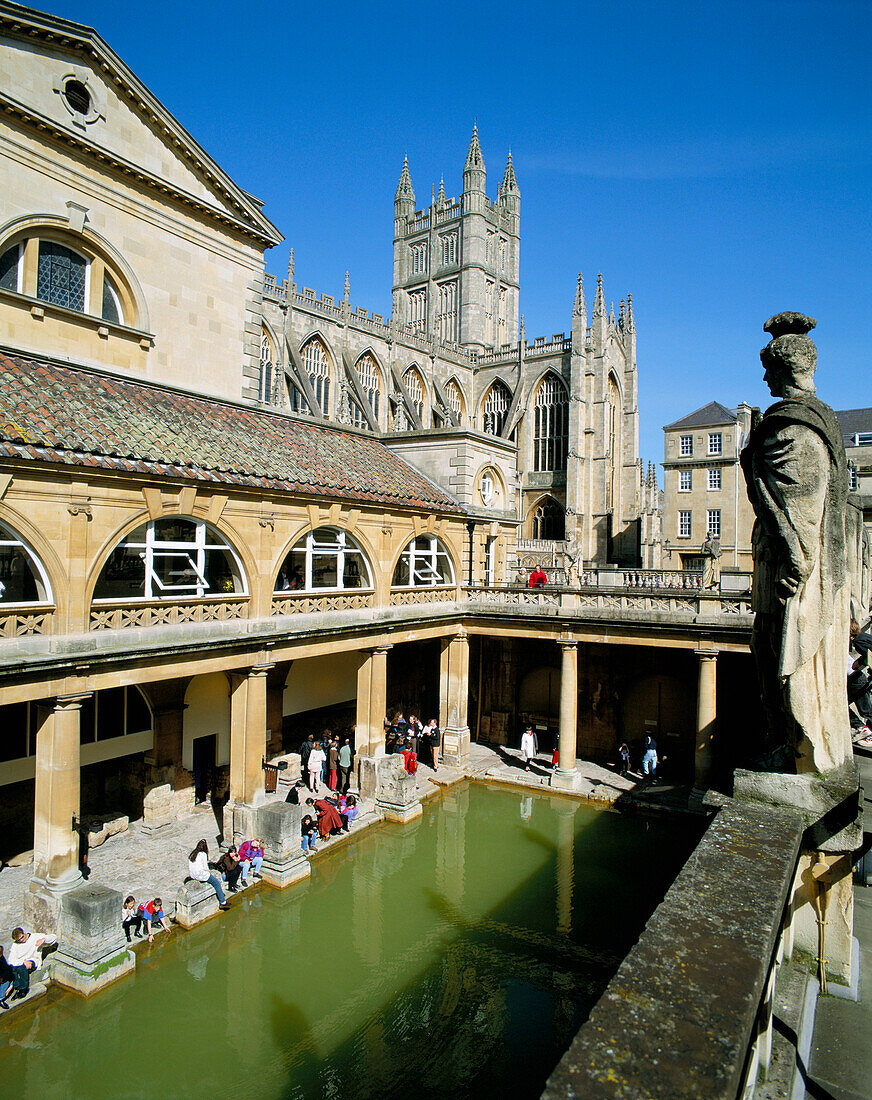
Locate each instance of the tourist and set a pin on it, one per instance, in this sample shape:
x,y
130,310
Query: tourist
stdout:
x,y
230,868
130,917
25,956
433,739
152,913
402,727
332,763
293,795
528,748
325,744
345,765
308,834
305,753
415,733
7,979
410,757
329,821
537,577
351,812
317,759
649,756
250,858
624,755
198,868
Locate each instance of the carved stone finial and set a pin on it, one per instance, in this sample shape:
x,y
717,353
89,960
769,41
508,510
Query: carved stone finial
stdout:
x,y
347,286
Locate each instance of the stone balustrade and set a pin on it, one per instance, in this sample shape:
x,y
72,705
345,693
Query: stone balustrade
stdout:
x,y
21,622
119,615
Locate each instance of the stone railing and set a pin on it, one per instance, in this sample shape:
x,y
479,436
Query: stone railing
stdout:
x,y
120,615
413,596
661,578
449,213
25,621
307,603
498,355
590,598
556,345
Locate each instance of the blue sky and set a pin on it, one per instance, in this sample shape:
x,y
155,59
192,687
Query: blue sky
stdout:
x,y
711,158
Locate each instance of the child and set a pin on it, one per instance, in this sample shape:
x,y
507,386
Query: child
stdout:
x,y
130,916
309,834
624,753
350,812
152,913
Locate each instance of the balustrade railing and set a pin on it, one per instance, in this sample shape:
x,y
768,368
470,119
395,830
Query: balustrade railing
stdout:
x,y
21,622
411,597
120,615
308,603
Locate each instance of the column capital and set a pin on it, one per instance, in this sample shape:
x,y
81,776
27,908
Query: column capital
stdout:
x,y
566,644
70,702
382,648
707,654
260,670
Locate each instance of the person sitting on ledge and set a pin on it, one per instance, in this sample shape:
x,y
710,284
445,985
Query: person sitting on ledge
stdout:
x,y
7,979
251,858
308,833
350,812
294,794
230,868
329,821
152,913
537,577
26,955
198,868
130,917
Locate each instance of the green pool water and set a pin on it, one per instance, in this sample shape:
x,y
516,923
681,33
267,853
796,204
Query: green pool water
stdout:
x,y
453,957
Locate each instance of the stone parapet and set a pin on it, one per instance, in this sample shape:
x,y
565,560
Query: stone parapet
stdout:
x,y
92,949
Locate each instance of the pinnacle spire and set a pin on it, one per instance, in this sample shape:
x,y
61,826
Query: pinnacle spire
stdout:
x,y
580,306
440,198
510,180
612,314
291,269
404,187
347,286
599,302
622,315
474,159
631,321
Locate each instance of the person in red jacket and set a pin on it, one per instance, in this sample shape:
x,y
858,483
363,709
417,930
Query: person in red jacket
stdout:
x,y
328,816
537,578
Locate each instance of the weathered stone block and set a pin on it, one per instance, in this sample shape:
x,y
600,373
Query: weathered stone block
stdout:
x,y
195,902
158,809
396,791
367,776
92,949
101,828
278,827
455,747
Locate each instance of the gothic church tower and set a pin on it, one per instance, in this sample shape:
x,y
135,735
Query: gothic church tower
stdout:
x,y
457,262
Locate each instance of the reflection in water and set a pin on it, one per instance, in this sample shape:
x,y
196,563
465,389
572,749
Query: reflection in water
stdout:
x,y
452,958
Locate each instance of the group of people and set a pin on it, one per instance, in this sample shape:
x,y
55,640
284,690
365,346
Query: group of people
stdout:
x,y
327,762
333,816
414,741
25,956
649,759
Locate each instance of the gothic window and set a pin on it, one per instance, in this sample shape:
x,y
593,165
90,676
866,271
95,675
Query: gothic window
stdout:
x,y
455,399
370,380
356,415
551,425
448,311
415,389
489,311
496,408
317,367
504,244
173,557
418,254
75,278
23,578
326,558
503,314
266,367
418,310
612,405
449,248
424,563
548,520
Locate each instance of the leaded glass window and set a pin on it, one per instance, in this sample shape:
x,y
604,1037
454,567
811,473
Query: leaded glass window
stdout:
x,y
548,521
415,390
61,276
266,368
9,267
370,380
317,367
455,399
551,425
496,408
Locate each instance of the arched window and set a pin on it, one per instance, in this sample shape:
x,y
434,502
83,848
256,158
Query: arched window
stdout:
x,y
177,557
22,576
317,367
425,563
370,380
266,367
455,399
495,409
67,270
612,406
548,520
551,425
415,389
327,557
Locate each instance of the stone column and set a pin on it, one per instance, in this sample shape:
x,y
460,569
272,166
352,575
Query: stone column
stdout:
x,y
247,750
56,805
706,718
454,699
372,702
565,776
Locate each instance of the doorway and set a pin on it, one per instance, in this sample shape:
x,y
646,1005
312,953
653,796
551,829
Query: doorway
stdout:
x,y
204,754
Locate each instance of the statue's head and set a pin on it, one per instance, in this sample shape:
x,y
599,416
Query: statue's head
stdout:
x,y
790,357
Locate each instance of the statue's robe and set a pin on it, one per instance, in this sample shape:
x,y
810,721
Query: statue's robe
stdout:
x,y
796,472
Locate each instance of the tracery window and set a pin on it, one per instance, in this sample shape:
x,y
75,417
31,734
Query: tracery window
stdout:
x,y
325,558
496,408
548,520
489,293
23,578
317,367
449,248
418,256
455,399
418,310
415,389
503,313
370,380
175,557
423,563
551,425
266,368
448,311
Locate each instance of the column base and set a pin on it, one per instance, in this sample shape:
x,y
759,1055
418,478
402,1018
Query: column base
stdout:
x,y
239,821
84,979
92,952
286,873
400,814
455,747
42,902
565,781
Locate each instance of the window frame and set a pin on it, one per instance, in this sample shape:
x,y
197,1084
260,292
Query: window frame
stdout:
x,y
345,544
45,596
713,522
715,443
685,520
427,574
685,475
714,474
685,446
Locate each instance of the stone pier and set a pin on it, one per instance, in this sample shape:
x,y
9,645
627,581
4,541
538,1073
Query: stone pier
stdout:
x,y
396,794
278,827
92,949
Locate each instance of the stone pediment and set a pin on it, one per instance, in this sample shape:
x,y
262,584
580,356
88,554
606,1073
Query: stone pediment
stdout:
x,y
123,125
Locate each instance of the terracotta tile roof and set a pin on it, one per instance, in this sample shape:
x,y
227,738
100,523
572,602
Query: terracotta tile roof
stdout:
x,y
62,414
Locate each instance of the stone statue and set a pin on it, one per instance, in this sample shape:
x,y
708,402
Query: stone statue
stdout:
x,y
711,552
795,467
